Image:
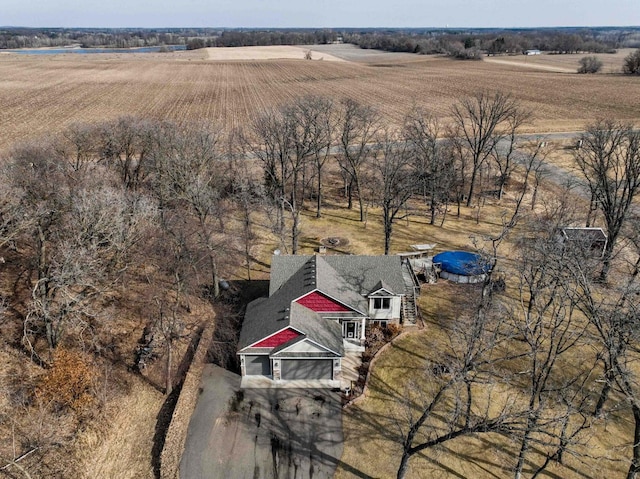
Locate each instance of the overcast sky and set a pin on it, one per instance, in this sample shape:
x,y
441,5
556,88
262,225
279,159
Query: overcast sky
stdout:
x,y
318,13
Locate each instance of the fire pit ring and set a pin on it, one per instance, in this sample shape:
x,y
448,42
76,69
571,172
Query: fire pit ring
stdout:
x,y
334,241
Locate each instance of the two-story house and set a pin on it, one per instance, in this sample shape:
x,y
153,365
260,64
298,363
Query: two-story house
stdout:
x,y
317,306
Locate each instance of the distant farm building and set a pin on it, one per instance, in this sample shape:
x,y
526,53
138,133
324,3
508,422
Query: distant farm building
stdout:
x,y
532,52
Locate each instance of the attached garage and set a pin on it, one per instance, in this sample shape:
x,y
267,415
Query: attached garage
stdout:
x,y
307,369
257,365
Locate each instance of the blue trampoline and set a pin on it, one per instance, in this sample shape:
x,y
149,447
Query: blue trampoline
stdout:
x,y
461,266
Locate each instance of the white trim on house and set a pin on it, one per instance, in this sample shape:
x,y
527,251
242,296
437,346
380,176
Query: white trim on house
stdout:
x,y
307,340
378,291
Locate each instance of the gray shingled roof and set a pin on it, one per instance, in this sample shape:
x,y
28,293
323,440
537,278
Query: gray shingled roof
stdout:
x,y
283,268
362,273
333,284
266,316
348,279
263,317
325,332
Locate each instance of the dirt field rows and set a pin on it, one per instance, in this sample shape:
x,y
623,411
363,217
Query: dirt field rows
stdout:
x,y
40,95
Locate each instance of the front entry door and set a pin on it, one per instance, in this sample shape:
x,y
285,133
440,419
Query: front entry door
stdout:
x,y
351,330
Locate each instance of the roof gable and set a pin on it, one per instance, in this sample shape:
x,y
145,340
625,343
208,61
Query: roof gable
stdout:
x,y
381,289
361,273
277,339
304,346
321,303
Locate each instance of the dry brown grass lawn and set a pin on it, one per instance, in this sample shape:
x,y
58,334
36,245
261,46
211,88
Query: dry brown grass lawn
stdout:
x,y
372,432
122,446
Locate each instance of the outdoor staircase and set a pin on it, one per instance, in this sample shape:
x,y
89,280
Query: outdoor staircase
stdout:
x,y
412,289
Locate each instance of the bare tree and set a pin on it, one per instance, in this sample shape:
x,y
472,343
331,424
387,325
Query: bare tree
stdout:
x,y
359,125
12,221
610,162
632,63
79,145
286,141
78,232
589,64
392,181
190,174
248,193
523,350
460,387
549,330
179,263
124,145
480,122
321,119
504,153
434,168
282,160
613,312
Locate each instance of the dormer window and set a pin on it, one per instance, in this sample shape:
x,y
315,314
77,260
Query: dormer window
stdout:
x,y
381,303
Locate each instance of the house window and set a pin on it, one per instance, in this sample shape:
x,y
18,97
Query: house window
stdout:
x,y
382,324
381,303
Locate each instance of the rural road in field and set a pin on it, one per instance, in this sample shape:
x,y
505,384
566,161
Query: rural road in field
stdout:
x,y
272,433
554,173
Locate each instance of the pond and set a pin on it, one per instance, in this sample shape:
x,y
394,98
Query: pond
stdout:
x,y
58,51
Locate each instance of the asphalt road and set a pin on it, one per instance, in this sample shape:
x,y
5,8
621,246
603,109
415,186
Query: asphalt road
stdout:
x,y
261,433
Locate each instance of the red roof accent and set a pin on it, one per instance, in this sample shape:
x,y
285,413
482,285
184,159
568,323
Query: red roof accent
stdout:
x,y
277,339
320,303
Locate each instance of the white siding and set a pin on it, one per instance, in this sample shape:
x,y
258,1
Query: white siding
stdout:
x,y
386,314
305,347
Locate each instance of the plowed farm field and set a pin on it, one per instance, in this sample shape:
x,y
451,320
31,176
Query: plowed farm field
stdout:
x,y
43,94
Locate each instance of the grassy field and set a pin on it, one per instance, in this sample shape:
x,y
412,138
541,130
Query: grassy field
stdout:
x,y
42,94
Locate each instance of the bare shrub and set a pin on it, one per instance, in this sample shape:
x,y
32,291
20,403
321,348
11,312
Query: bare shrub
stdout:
x,y
632,63
68,383
590,64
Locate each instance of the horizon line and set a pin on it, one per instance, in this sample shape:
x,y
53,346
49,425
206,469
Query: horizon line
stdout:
x,y
326,27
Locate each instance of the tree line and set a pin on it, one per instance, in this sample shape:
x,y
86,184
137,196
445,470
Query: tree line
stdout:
x,y
236,38
14,37
469,44
386,166
461,43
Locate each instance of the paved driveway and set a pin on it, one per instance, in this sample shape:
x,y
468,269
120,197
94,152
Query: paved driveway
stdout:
x,y
261,433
